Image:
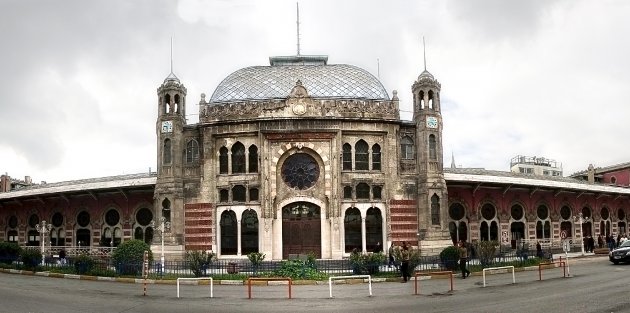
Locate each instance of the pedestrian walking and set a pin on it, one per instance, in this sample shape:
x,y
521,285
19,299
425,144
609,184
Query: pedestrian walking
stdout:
x,y
463,259
404,265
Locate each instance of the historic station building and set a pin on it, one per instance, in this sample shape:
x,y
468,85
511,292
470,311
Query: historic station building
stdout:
x,y
303,156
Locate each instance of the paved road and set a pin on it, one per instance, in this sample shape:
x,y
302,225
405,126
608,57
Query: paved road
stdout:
x,y
595,286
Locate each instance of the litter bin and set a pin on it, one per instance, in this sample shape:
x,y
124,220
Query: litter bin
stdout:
x,y
232,268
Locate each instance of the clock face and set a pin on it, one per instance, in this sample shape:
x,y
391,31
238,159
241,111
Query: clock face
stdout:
x,y
167,126
432,122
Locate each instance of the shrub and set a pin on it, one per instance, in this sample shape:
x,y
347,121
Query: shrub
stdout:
x,y
298,269
366,263
198,261
449,257
9,252
84,263
30,258
486,251
129,256
256,259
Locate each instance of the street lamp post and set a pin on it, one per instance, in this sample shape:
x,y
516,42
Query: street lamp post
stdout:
x,y
581,219
43,228
164,225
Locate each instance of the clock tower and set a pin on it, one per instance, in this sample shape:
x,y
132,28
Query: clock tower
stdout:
x,y
432,192
169,191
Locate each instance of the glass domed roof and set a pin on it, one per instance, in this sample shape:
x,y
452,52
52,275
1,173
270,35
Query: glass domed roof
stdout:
x,y
320,80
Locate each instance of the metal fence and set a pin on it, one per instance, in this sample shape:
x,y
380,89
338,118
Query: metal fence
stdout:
x,y
237,268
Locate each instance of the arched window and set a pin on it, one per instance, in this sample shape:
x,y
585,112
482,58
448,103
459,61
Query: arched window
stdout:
x,y
238,193
566,225
361,156
166,152
253,194
249,232
83,234
586,227
228,233
543,224
224,195
57,232
33,234
435,210
489,228
192,151
406,148
347,157
238,158
166,210
223,160
167,103
373,229
143,231
12,233
112,223
253,159
352,230
363,191
376,192
347,192
517,225
458,227
430,99
432,147
376,157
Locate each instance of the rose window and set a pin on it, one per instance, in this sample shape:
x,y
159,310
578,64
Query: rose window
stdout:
x,y
300,171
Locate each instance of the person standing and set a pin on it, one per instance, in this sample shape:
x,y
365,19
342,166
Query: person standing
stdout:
x,y
392,260
463,259
62,257
404,265
378,248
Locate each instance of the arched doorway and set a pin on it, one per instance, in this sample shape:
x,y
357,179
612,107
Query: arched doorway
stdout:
x,y
301,229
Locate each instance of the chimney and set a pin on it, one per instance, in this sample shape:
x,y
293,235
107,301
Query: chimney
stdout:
x,y
5,183
591,174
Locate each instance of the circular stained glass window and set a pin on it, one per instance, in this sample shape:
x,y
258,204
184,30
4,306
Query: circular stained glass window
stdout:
x,y
517,212
300,171
487,211
83,219
57,219
621,214
605,213
456,211
542,212
13,222
112,217
33,220
144,216
565,212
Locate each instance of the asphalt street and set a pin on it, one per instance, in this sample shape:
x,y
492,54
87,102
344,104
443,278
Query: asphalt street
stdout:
x,y
594,286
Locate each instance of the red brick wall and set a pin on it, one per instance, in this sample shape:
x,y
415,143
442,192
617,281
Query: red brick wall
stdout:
x,y
198,226
404,220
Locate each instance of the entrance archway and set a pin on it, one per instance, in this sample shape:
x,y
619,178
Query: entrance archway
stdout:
x,y
301,229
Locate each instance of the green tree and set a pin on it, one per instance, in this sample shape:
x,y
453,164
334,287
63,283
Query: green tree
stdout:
x,y
198,261
449,257
128,257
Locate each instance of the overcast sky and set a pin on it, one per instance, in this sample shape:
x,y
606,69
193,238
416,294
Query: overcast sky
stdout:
x,y
539,78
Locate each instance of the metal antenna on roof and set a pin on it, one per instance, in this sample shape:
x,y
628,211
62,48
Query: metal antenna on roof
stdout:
x,y
378,68
424,52
297,5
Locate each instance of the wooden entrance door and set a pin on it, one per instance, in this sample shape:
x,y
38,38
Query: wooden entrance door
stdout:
x,y
301,230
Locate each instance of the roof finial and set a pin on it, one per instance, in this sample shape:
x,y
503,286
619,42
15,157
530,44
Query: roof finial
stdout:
x,y
453,160
378,68
424,51
297,5
171,54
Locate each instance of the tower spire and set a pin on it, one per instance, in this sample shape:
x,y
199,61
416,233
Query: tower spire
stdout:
x,y
453,160
424,52
171,54
297,6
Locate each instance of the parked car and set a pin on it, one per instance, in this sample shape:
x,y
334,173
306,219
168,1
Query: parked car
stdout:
x,y
621,254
